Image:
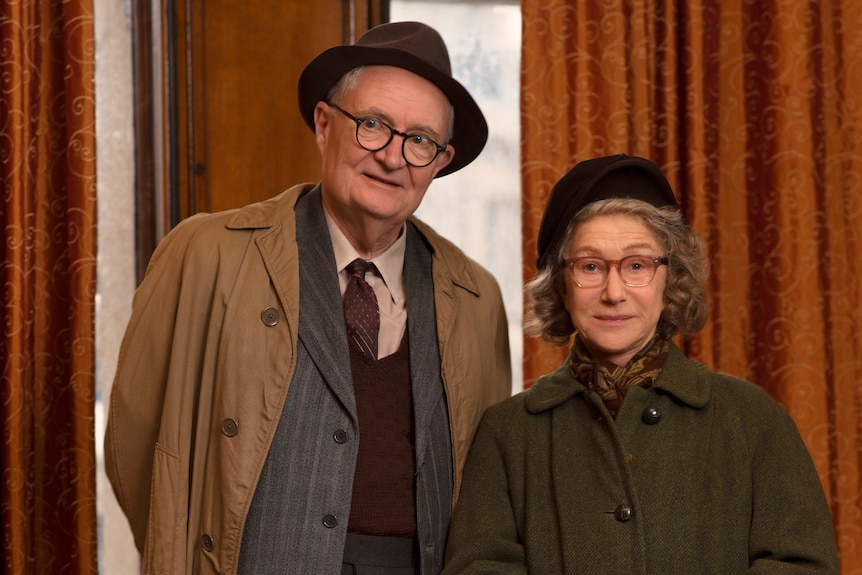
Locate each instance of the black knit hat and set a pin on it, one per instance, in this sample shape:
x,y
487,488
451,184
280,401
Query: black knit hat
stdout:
x,y
415,47
597,179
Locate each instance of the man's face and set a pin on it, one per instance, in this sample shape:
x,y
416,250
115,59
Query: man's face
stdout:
x,y
363,189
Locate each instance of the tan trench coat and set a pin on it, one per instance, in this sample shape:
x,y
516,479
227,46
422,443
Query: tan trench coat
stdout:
x,y
196,330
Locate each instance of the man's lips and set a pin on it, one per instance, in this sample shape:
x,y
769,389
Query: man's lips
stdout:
x,y
382,180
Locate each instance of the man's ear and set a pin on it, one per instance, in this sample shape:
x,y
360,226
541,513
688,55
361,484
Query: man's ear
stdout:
x,y
321,121
444,158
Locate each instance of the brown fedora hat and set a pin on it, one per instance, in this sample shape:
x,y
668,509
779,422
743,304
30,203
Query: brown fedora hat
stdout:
x,y
415,47
619,176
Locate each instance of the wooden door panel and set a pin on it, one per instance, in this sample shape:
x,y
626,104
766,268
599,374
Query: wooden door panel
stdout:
x,y
248,140
239,137
217,121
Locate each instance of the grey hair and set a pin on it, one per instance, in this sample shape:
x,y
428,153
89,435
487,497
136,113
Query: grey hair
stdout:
x,y
685,292
348,81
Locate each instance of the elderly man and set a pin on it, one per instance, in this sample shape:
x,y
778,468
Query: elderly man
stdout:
x,y
301,378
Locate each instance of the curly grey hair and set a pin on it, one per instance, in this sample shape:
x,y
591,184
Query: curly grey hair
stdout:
x,y
685,293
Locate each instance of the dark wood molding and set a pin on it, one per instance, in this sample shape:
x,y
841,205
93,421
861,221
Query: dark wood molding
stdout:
x,y
361,15
146,236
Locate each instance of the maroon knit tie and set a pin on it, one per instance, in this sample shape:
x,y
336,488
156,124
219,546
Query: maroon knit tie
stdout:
x,y
360,309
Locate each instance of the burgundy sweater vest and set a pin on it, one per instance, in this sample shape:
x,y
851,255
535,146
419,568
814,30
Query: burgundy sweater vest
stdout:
x,y
384,487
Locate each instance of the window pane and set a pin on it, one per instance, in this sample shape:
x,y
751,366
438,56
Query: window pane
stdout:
x,y
478,207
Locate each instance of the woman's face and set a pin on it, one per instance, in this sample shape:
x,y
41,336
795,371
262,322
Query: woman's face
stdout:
x,y
614,321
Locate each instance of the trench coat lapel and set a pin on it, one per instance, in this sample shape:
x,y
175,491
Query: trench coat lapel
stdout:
x,y
321,318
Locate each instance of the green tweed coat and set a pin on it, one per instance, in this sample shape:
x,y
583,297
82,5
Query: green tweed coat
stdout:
x,y
699,474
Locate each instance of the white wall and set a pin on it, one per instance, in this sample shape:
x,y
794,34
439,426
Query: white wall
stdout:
x,y
478,208
116,256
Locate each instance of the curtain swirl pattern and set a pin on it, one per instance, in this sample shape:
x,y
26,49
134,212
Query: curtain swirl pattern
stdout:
x,y
753,108
48,161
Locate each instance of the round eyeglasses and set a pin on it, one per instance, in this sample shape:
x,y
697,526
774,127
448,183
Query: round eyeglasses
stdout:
x,y
374,134
635,271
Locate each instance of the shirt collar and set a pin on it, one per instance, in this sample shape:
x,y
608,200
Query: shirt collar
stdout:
x,y
389,264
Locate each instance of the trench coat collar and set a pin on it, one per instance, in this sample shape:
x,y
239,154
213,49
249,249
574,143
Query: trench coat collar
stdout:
x,y
270,212
685,379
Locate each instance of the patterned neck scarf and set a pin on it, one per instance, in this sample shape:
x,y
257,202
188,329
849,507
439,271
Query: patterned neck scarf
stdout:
x,y
611,381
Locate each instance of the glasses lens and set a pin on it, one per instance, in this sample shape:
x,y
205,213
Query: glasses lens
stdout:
x,y
419,150
589,272
637,270
372,134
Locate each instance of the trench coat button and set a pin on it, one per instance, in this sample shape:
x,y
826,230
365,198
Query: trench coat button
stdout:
x,y
651,415
623,513
207,542
229,427
340,436
330,521
270,316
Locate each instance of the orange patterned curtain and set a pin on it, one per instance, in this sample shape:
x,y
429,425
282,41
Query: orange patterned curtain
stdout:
x,y
48,161
754,110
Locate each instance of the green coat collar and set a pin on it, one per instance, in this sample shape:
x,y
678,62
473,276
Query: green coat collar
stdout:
x,y
690,384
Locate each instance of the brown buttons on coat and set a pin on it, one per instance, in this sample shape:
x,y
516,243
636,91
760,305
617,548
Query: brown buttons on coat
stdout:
x,y
340,436
270,317
330,521
229,427
651,415
623,513
207,542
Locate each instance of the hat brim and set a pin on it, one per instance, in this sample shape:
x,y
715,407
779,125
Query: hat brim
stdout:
x,y
470,128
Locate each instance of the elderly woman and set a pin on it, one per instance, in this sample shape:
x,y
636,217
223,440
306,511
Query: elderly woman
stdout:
x,y
631,458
